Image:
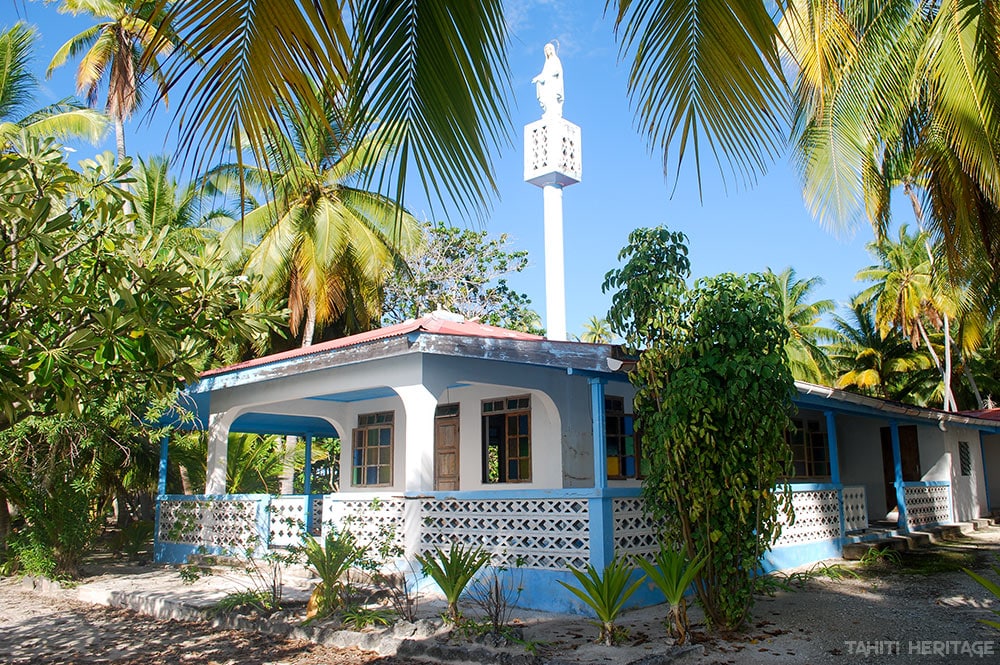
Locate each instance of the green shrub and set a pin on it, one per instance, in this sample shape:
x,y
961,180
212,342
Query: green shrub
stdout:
x,y
605,593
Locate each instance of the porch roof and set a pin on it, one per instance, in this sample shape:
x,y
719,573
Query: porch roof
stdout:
x,y
440,333
823,397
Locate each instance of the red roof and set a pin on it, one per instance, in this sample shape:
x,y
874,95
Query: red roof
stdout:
x,y
985,414
438,323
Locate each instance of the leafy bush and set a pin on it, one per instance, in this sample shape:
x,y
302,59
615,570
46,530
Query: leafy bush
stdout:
x,y
453,570
713,397
606,593
360,617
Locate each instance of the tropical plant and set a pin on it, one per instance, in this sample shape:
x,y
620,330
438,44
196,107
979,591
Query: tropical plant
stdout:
x,y
597,331
905,293
807,357
452,571
323,241
606,592
437,77
331,561
673,574
121,45
254,463
62,120
714,469
462,271
884,99
887,367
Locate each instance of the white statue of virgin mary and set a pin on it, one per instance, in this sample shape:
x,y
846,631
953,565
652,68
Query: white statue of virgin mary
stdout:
x,y
549,84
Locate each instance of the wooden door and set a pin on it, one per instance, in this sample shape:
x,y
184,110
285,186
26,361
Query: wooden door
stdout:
x,y
909,456
446,445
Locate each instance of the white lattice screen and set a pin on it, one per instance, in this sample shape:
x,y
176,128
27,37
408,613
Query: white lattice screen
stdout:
x,y
288,520
927,505
855,508
229,524
635,531
550,534
367,519
817,517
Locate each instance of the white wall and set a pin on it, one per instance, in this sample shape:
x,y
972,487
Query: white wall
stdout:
x,y
991,459
968,492
860,446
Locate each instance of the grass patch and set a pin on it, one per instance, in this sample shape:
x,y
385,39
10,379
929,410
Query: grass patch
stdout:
x,y
933,562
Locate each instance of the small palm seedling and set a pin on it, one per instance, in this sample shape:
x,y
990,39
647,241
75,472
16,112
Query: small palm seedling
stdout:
x,y
605,593
453,570
673,573
331,560
990,586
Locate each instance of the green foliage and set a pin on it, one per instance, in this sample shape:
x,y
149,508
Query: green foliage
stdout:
x,y
360,617
453,570
881,556
248,599
331,561
990,586
136,537
713,396
606,592
673,573
462,271
88,311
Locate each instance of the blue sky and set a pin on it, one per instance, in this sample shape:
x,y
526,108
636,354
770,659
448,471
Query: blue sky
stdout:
x,y
623,187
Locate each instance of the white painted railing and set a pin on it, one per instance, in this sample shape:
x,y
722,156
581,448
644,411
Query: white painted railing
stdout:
x,y
927,503
817,516
855,508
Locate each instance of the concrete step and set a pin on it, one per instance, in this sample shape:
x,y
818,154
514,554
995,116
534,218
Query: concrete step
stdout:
x,y
880,537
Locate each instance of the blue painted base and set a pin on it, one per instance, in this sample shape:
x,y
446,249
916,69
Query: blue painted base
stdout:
x,y
179,553
790,556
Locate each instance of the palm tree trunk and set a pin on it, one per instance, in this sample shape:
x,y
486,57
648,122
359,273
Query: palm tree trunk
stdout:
x,y
949,397
937,364
980,404
120,139
120,145
291,442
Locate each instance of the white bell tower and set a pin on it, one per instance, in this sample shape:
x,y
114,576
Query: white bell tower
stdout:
x,y
552,161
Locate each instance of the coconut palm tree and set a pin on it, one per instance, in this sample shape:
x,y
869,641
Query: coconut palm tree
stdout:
x,y
437,76
62,120
121,47
905,296
886,98
597,330
885,366
326,242
806,356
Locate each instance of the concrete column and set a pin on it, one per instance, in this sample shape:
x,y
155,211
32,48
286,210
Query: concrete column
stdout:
x,y
218,449
834,453
161,485
555,286
897,461
307,483
418,438
599,427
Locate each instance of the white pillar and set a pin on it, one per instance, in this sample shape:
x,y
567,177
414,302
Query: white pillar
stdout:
x,y
218,449
418,438
555,275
